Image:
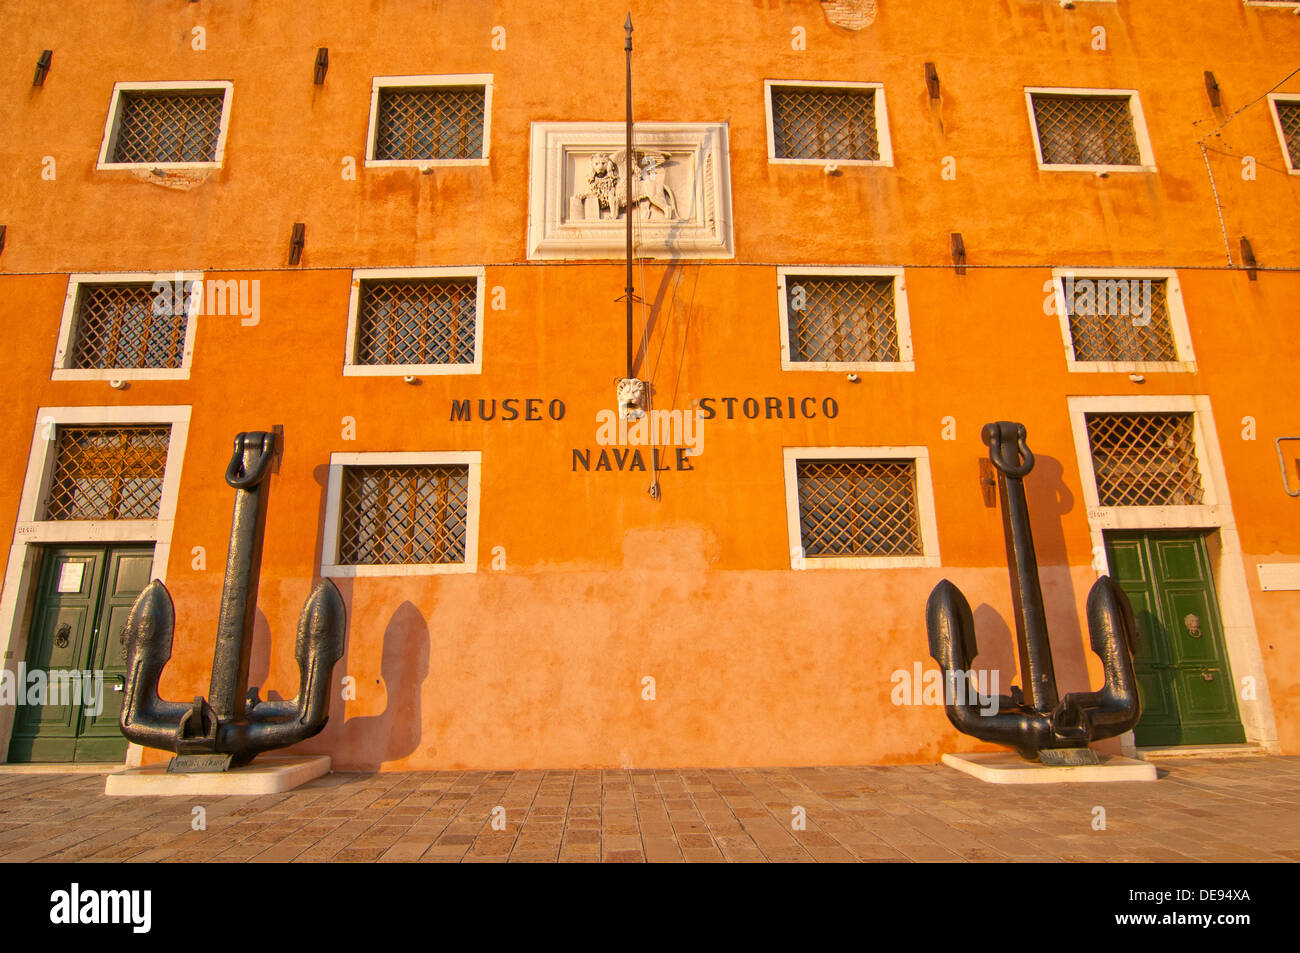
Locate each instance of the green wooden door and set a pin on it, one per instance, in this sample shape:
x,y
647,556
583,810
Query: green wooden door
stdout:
x,y
82,600
1182,668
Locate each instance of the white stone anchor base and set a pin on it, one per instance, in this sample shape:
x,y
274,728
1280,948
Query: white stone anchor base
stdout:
x,y
266,775
1007,767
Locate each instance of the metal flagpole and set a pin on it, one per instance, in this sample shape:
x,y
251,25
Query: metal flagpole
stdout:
x,y
629,164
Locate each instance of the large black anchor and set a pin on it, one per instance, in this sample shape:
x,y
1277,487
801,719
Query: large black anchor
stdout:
x,y
1035,721
232,726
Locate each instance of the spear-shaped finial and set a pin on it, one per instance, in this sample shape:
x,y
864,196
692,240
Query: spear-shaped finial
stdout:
x,y
629,163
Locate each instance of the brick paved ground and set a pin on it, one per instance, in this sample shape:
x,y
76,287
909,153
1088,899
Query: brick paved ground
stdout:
x,y
1200,809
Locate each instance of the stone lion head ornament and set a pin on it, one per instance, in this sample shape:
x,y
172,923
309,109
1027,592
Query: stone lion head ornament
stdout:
x,y
602,168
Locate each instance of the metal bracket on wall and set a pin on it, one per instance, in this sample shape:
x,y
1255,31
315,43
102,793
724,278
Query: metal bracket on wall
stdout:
x,y
1281,461
297,242
988,483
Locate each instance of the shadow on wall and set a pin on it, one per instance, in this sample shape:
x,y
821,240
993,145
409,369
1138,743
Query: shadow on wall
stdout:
x,y
321,475
366,742
997,646
1049,501
259,657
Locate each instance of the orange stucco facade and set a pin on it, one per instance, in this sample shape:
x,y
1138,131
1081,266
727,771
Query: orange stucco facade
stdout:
x,y
584,583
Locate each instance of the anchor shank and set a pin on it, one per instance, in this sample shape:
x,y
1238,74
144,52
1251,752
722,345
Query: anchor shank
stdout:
x,y
247,473
1036,668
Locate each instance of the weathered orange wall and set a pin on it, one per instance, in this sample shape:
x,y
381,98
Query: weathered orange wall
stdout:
x,y
540,664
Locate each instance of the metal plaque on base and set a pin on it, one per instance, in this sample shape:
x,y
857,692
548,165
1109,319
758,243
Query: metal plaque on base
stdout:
x,y
198,763
1067,757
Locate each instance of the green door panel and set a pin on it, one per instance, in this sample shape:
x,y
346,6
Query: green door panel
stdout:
x,y
1184,680
127,573
83,596
59,639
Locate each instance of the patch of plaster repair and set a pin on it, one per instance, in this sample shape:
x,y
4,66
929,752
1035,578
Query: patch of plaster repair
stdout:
x,y
686,549
850,14
182,180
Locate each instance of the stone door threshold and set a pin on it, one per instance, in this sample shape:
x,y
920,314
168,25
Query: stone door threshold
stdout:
x,y
1203,751
70,767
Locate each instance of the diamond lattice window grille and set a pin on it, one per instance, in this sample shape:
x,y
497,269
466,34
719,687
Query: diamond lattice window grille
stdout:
x,y
417,321
107,473
858,508
430,123
841,319
824,123
1119,319
1288,114
128,326
1086,130
1145,459
172,126
403,515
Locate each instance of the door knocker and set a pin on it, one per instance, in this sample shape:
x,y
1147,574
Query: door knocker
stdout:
x,y
1193,626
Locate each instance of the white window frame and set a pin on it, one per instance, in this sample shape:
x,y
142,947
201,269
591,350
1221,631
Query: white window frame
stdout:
x,y
1240,638
1211,512
903,323
63,371
882,123
925,512
1148,163
450,79
1178,327
330,566
1291,5
21,576
109,141
359,275
1273,100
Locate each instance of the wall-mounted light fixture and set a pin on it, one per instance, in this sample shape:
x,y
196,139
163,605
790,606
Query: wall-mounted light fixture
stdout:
x,y
322,65
42,67
2,237
932,80
297,241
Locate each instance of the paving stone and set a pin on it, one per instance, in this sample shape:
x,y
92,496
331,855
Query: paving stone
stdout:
x,y
1204,809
